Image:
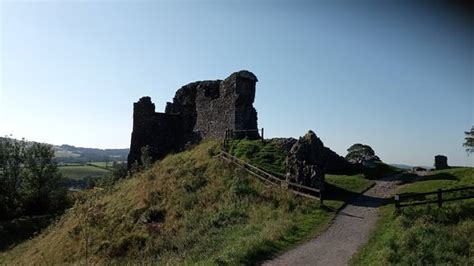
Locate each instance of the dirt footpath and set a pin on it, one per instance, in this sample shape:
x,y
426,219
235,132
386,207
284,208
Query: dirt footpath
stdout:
x,y
349,230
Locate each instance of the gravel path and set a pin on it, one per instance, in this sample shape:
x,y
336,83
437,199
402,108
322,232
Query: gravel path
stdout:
x,y
349,230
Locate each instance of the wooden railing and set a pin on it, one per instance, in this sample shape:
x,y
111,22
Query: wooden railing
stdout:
x,y
270,179
420,198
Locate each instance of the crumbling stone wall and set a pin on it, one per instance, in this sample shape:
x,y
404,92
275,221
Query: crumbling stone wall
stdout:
x,y
305,163
200,110
155,130
308,160
334,163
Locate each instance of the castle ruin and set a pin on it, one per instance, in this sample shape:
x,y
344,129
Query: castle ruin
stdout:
x,y
200,110
441,162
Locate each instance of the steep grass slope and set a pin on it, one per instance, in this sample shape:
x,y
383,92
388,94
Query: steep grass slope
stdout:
x,y
189,208
425,235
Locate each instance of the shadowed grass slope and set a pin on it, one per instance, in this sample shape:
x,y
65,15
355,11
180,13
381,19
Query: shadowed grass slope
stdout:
x,y
189,208
425,235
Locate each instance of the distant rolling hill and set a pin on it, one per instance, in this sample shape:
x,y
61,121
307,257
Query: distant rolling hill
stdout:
x,y
407,167
401,166
71,154
79,165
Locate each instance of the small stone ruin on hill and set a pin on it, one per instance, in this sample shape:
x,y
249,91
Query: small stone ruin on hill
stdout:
x,y
441,162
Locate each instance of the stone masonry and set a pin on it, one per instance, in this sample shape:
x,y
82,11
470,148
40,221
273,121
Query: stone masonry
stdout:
x,y
441,162
200,110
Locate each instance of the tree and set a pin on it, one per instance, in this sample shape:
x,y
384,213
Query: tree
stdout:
x,y
11,162
40,185
469,140
360,153
29,179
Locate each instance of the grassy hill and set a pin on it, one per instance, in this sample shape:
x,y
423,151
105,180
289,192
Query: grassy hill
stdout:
x,y
425,235
71,154
189,208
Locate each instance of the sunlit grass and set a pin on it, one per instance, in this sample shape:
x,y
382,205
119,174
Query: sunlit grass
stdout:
x,y
425,235
189,208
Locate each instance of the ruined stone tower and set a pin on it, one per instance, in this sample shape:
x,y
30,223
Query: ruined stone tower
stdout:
x,y
441,162
200,110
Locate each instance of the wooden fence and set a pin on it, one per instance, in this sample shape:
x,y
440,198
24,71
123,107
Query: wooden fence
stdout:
x,y
420,198
270,179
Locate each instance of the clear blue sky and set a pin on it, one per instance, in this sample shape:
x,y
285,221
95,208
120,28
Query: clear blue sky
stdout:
x,y
395,75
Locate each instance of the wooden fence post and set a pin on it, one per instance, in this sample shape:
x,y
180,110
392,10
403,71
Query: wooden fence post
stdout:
x,y
440,198
262,134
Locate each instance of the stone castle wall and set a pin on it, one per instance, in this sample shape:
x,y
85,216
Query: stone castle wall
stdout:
x,y
200,110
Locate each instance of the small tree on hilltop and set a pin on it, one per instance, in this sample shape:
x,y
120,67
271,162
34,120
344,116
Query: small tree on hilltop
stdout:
x,y
469,140
360,153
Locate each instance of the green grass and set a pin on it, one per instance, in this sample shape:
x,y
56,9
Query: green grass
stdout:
x,y
190,208
260,153
82,171
340,189
354,183
425,235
